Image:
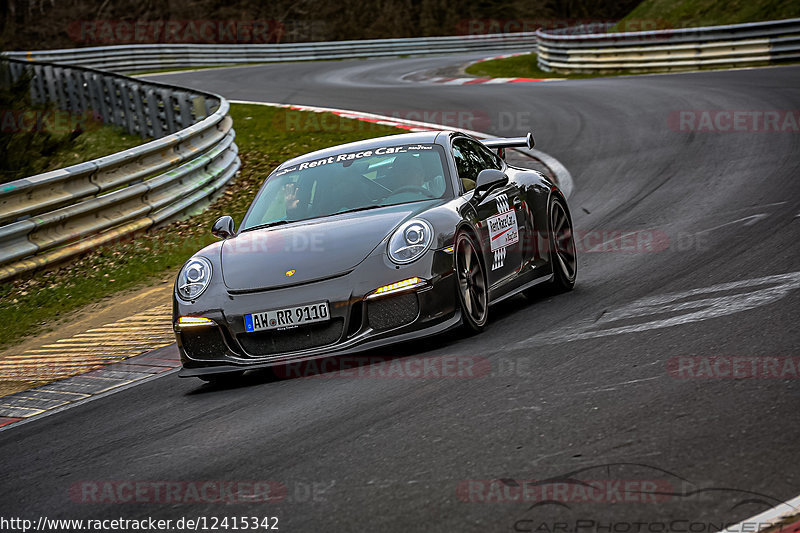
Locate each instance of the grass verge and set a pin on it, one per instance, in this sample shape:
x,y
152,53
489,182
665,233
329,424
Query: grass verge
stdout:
x,y
96,141
522,66
60,145
666,14
266,136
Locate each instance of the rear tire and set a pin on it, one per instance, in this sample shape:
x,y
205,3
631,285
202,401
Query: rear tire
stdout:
x,y
472,288
563,252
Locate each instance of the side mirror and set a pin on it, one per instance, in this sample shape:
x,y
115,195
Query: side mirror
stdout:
x,y
490,179
223,227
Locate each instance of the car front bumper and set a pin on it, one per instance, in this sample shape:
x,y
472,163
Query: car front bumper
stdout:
x,y
357,322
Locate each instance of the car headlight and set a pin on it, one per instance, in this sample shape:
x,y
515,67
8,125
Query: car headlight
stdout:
x,y
194,278
410,241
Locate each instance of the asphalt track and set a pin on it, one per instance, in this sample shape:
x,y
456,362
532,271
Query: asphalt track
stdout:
x,y
580,386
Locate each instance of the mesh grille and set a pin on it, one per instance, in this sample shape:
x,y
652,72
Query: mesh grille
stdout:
x,y
203,343
290,340
394,311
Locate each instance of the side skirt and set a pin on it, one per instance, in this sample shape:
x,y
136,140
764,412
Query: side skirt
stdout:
x,y
513,292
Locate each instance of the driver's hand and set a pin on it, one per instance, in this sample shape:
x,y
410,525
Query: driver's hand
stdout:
x,y
290,195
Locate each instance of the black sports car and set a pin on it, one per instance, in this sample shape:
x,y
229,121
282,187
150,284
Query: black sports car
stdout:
x,y
370,243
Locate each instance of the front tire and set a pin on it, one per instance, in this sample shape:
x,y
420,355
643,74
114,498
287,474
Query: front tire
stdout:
x,y
473,293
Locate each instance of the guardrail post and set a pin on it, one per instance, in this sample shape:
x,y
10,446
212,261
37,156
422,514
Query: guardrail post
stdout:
x,y
83,91
49,80
185,109
38,92
199,107
126,99
99,98
13,71
71,90
154,119
169,110
58,84
138,100
112,93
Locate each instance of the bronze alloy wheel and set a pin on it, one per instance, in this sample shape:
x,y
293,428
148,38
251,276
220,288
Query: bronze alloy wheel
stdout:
x,y
472,290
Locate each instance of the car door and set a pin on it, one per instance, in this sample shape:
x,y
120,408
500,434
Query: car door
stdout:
x,y
499,214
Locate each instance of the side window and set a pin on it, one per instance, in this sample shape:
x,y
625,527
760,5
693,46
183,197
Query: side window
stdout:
x,y
468,159
491,160
464,164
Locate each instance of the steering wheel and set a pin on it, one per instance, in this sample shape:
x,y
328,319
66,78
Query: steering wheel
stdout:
x,y
413,188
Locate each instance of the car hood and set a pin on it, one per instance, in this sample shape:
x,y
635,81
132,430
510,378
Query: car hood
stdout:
x,y
310,250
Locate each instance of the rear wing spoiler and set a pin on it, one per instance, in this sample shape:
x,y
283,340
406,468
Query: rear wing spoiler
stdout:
x,y
501,143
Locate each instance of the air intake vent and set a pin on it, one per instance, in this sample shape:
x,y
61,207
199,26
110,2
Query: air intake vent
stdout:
x,y
392,312
203,343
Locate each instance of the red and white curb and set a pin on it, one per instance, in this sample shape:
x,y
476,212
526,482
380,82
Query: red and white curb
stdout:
x,y
484,81
504,56
560,173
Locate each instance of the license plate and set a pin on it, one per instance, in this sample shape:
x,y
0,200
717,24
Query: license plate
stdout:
x,y
287,317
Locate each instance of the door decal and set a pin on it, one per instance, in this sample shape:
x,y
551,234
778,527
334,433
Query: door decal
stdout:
x,y
499,258
502,203
503,230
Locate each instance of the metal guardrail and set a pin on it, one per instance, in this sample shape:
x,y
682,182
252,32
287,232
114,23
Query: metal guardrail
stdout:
x,y
590,49
145,57
58,214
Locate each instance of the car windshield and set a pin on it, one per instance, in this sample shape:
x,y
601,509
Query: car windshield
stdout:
x,y
350,181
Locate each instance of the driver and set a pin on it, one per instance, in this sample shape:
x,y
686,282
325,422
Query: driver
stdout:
x,y
408,171
292,202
